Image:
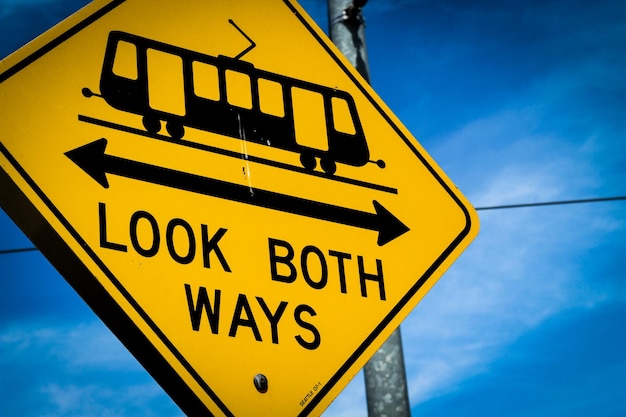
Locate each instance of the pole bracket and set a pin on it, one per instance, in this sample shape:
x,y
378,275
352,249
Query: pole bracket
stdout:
x,y
352,15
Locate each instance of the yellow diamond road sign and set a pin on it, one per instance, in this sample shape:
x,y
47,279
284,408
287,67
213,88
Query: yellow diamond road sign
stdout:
x,y
227,194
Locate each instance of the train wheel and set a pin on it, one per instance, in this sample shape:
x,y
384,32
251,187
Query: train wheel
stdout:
x,y
175,129
152,124
328,165
308,161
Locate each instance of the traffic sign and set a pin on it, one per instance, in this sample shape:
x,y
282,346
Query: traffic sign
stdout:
x,y
227,194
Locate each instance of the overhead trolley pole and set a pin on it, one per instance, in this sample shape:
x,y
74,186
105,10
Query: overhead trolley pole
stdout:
x,y
385,375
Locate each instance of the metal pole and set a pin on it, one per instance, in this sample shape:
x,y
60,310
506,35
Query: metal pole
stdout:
x,y
385,375
347,31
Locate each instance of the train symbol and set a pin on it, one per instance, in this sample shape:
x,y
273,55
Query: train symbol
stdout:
x,y
231,97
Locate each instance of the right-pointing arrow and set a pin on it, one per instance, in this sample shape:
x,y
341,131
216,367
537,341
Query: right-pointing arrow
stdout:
x,y
389,227
93,159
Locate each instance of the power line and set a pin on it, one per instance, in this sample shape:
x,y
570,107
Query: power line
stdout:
x,y
552,203
507,206
8,251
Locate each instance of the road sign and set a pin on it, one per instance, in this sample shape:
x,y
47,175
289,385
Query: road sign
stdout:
x,y
227,194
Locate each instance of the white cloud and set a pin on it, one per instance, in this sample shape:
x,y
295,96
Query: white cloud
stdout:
x,y
82,345
96,400
67,398
522,268
488,299
351,402
76,370
97,348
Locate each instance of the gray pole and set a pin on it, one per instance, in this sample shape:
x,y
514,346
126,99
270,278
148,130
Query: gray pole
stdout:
x,y
385,375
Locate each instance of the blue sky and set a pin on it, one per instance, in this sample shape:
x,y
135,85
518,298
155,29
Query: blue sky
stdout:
x,y
518,102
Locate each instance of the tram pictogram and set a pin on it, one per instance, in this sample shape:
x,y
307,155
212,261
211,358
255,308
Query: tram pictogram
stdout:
x,y
233,98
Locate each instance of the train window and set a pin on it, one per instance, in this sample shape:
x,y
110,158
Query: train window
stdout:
x,y
166,88
271,98
125,61
309,119
238,89
342,118
206,83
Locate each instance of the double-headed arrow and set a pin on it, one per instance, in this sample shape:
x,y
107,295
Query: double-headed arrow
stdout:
x,y
92,159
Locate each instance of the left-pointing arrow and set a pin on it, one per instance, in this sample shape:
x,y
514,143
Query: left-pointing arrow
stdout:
x,y
93,159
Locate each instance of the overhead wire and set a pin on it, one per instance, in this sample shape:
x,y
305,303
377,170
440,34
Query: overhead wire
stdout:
x,y
9,251
499,207
552,203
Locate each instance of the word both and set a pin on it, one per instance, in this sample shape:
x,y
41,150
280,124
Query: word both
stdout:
x,y
313,255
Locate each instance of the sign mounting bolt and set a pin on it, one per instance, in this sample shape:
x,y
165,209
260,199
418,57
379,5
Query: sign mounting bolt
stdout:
x,y
260,383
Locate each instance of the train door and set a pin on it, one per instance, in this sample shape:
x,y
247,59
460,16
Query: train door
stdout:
x,y
166,89
271,98
309,119
238,89
206,83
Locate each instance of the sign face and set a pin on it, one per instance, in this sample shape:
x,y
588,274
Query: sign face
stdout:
x,y
227,194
